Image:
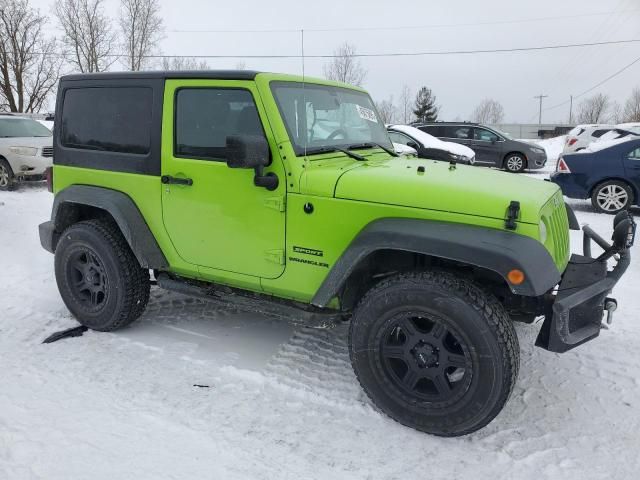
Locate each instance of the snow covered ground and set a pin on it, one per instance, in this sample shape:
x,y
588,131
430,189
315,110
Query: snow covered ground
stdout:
x,y
280,402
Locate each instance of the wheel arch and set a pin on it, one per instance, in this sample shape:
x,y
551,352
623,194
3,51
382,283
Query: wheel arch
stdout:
x,y
80,202
404,244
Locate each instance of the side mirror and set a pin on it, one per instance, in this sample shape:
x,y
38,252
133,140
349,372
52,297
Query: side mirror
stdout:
x,y
247,151
250,151
494,140
413,145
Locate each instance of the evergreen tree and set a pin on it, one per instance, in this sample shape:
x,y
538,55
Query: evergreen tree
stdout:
x,y
426,109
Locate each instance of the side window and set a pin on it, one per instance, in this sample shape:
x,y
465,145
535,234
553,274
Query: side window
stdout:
x,y
205,117
634,155
433,130
112,119
463,133
400,138
485,135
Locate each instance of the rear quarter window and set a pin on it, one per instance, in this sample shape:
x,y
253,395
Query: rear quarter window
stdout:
x,y
599,133
110,119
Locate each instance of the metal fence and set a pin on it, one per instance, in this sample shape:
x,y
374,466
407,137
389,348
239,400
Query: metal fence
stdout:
x,y
533,130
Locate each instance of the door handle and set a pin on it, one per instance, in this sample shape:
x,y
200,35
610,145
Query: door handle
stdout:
x,y
169,180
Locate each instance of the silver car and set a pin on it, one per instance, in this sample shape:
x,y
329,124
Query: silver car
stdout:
x,y
26,150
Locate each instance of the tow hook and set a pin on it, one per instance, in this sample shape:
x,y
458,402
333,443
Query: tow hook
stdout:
x,y
610,305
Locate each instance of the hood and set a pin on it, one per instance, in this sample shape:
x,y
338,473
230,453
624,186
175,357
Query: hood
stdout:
x,y
464,189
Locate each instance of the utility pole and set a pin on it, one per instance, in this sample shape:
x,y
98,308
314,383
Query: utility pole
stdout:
x,y
540,97
571,111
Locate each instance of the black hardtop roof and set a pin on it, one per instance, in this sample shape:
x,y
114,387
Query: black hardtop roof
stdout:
x,y
166,74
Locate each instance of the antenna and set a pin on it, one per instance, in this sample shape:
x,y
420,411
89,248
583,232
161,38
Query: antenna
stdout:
x,y
304,96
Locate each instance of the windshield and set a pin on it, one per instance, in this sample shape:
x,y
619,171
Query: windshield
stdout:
x,y
319,117
22,127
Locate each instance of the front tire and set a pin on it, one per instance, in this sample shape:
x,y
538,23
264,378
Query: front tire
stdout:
x,y
515,163
434,352
99,278
7,178
611,197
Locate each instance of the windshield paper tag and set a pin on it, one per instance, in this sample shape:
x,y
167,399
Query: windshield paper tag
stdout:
x,y
367,114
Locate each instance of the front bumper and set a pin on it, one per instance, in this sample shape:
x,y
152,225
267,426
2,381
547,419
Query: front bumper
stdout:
x,y
574,314
536,160
25,166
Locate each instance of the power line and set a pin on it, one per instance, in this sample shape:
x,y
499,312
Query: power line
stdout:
x,y
372,55
599,84
407,27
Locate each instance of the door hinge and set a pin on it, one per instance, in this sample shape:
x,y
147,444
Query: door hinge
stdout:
x,y
276,203
275,256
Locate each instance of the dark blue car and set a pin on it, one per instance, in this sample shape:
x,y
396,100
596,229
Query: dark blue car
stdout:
x,y
609,177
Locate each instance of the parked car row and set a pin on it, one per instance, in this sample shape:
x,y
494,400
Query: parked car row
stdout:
x,y
599,162
492,148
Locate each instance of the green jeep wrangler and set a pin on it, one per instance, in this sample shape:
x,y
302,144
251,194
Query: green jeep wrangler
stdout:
x,y
283,194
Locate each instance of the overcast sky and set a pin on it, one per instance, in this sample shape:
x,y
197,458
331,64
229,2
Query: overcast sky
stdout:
x,y
458,81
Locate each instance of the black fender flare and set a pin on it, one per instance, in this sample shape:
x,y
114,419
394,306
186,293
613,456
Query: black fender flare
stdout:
x,y
120,206
496,250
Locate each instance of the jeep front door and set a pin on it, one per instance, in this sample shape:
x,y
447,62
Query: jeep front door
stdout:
x,y
215,216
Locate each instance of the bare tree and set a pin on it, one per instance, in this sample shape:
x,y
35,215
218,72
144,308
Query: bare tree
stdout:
x,y
142,29
632,107
488,111
405,106
594,109
345,66
29,66
386,110
616,114
183,63
87,34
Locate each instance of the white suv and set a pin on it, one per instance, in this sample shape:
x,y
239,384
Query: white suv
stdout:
x,y
26,150
581,136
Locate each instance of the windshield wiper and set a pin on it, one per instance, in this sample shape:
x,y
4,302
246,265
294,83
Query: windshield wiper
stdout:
x,y
353,155
373,144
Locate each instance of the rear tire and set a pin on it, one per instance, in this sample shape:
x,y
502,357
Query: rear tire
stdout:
x,y
611,197
99,278
515,163
7,178
434,352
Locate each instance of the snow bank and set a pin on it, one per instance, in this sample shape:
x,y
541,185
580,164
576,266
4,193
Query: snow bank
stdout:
x,y
552,146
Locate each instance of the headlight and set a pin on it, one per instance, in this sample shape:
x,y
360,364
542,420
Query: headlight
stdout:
x,y
24,151
537,150
543,232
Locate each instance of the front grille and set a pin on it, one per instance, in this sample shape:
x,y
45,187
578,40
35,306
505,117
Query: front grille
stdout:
x,y
559,226
47,152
